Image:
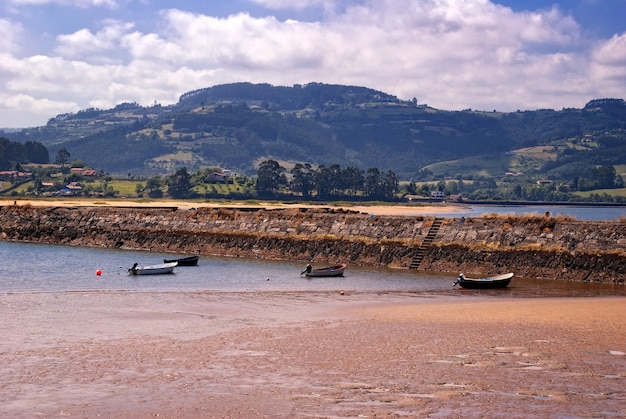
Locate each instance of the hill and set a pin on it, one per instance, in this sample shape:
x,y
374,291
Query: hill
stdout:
x,y
237,125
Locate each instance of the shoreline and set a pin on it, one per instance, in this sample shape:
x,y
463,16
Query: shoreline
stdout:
x,y
201,354
391,209
532,246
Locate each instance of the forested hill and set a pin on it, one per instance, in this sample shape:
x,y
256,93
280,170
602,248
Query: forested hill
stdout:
x,y
237,125
298,97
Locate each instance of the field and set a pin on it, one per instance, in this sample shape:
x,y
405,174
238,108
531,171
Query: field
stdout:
x,y
126,187
485,165
613,192
522,160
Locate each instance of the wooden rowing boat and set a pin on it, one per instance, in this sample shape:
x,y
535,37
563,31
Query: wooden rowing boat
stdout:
x,y
498,281
335,270
185,261
163,268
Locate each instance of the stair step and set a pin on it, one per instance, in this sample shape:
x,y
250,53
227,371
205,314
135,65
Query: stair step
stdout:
x,y
428,240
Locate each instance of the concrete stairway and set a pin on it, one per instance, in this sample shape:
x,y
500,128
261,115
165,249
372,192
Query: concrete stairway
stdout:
x,y
428,240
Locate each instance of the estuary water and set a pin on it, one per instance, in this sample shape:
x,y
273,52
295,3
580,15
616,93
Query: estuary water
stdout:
x,y
587,213
46,268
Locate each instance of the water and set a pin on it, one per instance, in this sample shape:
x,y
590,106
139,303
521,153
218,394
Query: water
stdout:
x,y
53,268
579,212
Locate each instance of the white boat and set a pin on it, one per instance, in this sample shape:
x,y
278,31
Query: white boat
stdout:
x,y
336,270
163,268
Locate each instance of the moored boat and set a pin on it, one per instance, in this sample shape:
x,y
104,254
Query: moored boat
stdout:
x,y
335,270
498,281
185,261
163,268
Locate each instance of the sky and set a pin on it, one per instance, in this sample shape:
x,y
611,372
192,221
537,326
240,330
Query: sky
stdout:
x,y
62,56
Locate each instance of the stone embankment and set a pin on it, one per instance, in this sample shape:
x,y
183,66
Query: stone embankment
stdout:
x,y
530,246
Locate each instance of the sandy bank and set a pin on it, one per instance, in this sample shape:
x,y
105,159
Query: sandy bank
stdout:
x,y
416,209
302,355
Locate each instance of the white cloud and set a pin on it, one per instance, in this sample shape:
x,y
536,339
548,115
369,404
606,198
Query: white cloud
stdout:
x,y
612,52
9,32
608,68
447,53
296,4
84,42
12,109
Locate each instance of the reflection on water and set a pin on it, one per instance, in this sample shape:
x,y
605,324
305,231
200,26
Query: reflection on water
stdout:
x,y
50,268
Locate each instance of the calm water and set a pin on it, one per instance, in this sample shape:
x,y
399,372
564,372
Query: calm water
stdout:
x,y
578,212
52,268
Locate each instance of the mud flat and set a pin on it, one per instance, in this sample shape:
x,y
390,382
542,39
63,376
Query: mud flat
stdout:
x,y
303,355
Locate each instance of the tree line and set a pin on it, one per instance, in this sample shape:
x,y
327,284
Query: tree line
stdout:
x,y
326,182
274,181
14,154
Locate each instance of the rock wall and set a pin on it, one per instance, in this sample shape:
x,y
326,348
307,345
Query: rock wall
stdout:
x,y
532,246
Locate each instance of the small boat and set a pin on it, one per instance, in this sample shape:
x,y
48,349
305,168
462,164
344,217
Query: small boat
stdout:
x,y
336,270
498,281
186,261
163,268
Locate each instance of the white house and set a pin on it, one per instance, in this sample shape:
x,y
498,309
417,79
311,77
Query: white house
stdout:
x,y
438,195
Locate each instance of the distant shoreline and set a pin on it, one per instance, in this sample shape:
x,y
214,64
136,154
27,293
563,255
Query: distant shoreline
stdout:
x,y
391,209
543,203
421,208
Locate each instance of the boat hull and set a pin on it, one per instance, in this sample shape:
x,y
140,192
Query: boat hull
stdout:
x,y
187,261
500,281
165,268
329,271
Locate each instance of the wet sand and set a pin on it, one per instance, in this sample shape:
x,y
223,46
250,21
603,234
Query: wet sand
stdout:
x,y
391,209
310,355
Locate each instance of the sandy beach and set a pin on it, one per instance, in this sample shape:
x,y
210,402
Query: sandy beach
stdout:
x,y
310,355
391,209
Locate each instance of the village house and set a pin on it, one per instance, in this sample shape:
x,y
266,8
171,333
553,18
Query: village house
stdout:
x,y
10,175
438,195
84,172
72,188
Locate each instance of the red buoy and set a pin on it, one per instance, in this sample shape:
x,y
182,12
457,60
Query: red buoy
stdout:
x,y
99,272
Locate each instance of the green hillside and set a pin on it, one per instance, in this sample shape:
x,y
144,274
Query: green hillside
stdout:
x,y
235,126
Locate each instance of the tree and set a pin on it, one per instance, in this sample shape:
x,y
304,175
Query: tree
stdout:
x,y
179,184
372,182
36,152
603,177
139,188
323,181
352,179
63,157
153,185
270,176
303,179
328,180
391,184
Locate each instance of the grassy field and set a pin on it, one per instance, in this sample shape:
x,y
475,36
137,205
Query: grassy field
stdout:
x,y
487,165
613,192
126,187
522,160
